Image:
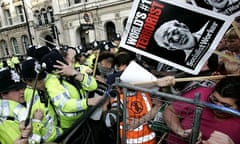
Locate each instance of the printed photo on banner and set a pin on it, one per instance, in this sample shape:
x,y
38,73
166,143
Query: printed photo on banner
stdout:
x,y
227,7
173,32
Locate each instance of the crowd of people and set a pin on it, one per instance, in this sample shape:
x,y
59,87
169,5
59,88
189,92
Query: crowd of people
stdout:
x,y
51,89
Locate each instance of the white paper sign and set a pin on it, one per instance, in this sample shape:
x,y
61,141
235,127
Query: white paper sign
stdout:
x,y
135,73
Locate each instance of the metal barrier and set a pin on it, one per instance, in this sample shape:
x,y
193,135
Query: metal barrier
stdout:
x,y
199,105
69,136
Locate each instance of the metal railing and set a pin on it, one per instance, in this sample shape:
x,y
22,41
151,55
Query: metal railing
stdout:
x,y
199,105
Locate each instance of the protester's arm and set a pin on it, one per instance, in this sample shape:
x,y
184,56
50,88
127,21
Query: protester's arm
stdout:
x,y
218,138
173,122
231,67
165,81
134,123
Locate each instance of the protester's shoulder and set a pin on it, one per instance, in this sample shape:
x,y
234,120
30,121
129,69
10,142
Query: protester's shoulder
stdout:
x,y
112,77
203,88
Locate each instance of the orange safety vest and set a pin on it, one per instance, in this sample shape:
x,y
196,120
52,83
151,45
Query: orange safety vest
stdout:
x,y
138,105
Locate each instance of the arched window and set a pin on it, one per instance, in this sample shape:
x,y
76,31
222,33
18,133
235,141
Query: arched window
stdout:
x,y
3,48
110,29
37,14
15,46
19,10
44,16
25,42
50,14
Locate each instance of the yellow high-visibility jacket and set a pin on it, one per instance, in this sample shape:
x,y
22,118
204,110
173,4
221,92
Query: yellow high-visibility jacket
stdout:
x,y
48,127
12,114
68,101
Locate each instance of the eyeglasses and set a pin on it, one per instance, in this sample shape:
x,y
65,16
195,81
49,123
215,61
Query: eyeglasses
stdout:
x,y
214,100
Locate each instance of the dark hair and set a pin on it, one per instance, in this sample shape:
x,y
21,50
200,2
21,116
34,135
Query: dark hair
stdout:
x,y
229,88
106,55
213,62
123,58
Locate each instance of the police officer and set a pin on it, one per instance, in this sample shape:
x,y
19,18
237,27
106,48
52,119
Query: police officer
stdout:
x,y
10,64
12,110
68,102
49,129
16,63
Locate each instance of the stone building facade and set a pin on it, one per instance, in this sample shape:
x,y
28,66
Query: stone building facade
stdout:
x,y
58,22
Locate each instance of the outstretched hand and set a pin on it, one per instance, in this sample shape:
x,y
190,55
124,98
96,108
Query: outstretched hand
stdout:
x,y
166,81
218,138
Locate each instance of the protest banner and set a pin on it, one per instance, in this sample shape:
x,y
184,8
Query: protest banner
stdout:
x,y
174,33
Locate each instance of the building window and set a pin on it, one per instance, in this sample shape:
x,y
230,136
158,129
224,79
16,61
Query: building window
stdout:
x,y
50,14
38,17
8,17
77,1
4,49
25,43
15,46
20,15
110,29
44,16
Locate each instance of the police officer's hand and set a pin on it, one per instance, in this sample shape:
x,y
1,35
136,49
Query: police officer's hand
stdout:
x,y
64,69
25,130
70,58
21,141
38,114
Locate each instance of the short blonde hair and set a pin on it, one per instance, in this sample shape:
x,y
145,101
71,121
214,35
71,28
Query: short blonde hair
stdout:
x,y
232,34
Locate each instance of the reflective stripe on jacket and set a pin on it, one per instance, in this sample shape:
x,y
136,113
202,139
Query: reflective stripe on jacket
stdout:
x,y
65,97
11,114
48,127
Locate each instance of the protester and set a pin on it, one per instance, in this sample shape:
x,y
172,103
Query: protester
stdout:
x,y
141,108
105,66
49,127
122,59
179,115
233,40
